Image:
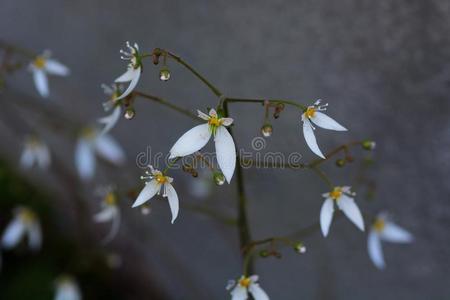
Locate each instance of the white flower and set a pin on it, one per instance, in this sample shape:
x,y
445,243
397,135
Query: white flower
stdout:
x,y
196,138
35,152
112,104
313,114
43,65
91,142
344,201
241,288
25,222
133,71
384,230
110,213
67,289
156,181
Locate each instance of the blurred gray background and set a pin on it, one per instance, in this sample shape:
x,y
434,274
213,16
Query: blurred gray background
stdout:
x,y
384,67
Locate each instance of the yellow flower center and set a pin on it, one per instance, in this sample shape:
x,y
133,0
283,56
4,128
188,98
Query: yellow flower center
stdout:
x,y
88,133
310,112
245,282
39,62
27,216
110,199
336,193
215,122
379,225
161,179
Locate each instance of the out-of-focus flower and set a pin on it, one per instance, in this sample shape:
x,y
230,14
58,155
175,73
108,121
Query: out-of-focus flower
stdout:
x,y
43,65
197,137
112,104
344,201
313,114
110,212
134,68
155,181
67,289
91,142
384,230
24,223
35,152
241,288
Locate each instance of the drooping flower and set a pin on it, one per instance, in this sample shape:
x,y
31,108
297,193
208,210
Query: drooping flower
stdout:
x,y
241,288
384,230
313,114
67,289
110,213
197,137
91,142
24,223
112,104
134,68
344,201
35,152
43,65
155,181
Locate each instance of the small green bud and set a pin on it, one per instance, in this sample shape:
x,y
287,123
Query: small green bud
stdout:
x,y
299,248
164,73
129,113
368,145
264,253
266,130
340,162
219,178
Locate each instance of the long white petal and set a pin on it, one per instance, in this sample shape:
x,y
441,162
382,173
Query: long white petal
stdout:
x,y
125,77
310,138
257,292
68,291
324,121
375,250
192,141
85,159
34,235
41,82
27,158
239,293
225,152
115,225
326,216
56,68
351,210
13,233
395,234
135,75
173,200
110,120
43,157
105,215
109,149
150,190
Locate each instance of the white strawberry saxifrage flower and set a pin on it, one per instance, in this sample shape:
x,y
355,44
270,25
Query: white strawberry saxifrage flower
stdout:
x,y
241,288
134,69
113,104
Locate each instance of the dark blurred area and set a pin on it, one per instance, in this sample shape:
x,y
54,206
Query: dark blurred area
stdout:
x,y
384,67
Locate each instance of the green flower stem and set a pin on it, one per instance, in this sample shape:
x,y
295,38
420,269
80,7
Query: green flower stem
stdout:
x,y
25,52
262,101
170,164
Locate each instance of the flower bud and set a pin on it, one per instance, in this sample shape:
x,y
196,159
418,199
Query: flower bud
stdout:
x,y
164,73
340,162
264,253
219,178
129,113
278,109
368,145
266,130
299,247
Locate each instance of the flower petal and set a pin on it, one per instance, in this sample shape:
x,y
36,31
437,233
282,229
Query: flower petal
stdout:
x,y
135,74
115,226
85,159
395,234
351,210
257,292
27,158
41,82
34,235
111,120
126,77
105,215
56,68
324,121
202,115
107,147
227,121
375,250
225,152
326,216
192,141
150,190
239,293
68,291
310,138
13,234
173,200
43,157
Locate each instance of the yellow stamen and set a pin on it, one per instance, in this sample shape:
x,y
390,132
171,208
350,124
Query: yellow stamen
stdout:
x,y
110,199
379,225
161,179
336,193
40,62
27,216
310,112
245,282
214,121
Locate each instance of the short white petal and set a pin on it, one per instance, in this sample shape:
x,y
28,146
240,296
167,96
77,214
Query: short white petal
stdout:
x,y
13,233
136,74
257,292
41,82
310,138
326,216
109,149
375,250
105,215
56,68
324,121
85,159
27,158
150,190
227,121
110,120
202,115
192,141
34,235
395,234
173,200
239,293
225,152
351,210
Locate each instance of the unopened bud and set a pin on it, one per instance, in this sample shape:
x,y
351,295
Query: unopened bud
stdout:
x,y
340,162
368,145
267,130
278,109
299,248
129,113
264,253
219,178
164,73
